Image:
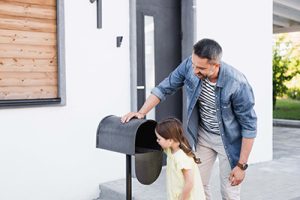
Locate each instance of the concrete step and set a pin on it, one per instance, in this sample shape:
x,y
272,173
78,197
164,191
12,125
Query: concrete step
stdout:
x,y
116,190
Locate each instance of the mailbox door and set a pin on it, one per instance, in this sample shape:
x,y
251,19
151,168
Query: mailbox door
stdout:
x,y
148,166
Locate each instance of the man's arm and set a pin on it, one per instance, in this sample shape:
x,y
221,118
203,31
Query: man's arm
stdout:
x,y
150,103
167,87
247,144
237,175
243,103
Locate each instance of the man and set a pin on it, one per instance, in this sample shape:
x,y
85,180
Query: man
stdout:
x,y
221,121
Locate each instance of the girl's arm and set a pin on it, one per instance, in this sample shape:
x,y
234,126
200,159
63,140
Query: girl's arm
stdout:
x,y
188,183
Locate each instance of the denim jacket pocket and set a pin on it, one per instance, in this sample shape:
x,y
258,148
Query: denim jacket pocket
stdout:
x,y
225,104
226,110
189,86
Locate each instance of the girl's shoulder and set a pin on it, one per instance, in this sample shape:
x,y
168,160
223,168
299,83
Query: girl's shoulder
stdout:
x,y
180,154
183,160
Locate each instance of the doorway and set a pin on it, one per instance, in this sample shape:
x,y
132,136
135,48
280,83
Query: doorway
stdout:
x,y
159,36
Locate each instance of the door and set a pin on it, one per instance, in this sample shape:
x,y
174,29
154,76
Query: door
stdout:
x,y
158,52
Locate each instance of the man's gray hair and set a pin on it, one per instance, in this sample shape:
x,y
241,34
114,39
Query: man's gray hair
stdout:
x,y
208,48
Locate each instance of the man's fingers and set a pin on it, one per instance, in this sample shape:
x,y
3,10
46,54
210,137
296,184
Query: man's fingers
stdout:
x,y
231,177
232,180
123,119
126,118
129,117
236,182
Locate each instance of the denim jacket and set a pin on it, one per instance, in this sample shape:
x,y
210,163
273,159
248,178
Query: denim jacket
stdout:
x,y
234,104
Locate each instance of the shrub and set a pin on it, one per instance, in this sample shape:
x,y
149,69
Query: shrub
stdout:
x,y
285,66
293,93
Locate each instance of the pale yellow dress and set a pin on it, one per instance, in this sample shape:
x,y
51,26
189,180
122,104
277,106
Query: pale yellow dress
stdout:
x,y
175,180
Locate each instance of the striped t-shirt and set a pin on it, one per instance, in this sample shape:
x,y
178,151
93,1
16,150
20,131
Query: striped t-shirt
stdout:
x,y
207,107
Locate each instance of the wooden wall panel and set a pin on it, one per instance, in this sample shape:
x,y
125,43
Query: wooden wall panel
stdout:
x,y
27,10
28,65
26,37
36,92
8,79
35,2
27,24
28,49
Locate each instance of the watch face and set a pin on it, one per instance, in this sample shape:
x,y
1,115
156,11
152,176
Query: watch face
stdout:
x,y
242,166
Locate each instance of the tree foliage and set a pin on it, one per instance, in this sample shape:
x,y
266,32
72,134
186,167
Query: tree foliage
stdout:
x,y
285,66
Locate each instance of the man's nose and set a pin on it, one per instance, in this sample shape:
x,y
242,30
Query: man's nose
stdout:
x,y
195,71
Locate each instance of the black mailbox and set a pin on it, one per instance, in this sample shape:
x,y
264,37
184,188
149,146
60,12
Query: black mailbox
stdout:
x,y
135,138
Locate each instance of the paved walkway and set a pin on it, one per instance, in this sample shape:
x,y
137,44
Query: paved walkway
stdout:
x,y
274,180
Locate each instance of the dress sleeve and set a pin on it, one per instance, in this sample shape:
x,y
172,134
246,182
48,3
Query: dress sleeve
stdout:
x,y
183,161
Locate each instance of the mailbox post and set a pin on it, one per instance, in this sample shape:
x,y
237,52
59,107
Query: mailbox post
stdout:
x,y
135,138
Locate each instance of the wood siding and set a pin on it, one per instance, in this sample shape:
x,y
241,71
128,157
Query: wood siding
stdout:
x,y
28,49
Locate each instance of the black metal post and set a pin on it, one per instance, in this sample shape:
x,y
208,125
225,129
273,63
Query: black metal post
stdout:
x,y
128,178
99,14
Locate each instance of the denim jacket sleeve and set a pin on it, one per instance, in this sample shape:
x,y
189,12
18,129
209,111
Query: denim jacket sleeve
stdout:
x,y
173,82
243,103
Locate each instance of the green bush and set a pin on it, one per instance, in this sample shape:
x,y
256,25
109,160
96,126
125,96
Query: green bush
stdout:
x,y
293,93
286,65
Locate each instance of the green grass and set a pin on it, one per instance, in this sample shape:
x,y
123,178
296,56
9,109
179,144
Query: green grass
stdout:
x,y
287,109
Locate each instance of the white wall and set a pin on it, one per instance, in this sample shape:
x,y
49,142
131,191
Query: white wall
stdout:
x,y
48,153
244,30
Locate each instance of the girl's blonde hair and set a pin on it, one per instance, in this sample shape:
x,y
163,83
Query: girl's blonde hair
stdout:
x,y
171,128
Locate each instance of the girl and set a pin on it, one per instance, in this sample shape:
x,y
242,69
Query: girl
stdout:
x,y
183,176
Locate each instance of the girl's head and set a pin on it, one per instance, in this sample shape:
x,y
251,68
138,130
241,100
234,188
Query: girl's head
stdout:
x,y
170,132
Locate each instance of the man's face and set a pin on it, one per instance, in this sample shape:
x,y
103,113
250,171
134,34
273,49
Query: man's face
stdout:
x,y
201,67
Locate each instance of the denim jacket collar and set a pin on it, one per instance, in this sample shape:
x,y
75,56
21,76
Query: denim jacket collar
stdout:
x,y
222,75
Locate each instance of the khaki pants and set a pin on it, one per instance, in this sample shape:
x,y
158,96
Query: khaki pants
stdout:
x,y
209,147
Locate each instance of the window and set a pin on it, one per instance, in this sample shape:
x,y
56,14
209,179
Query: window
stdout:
x,y
31,52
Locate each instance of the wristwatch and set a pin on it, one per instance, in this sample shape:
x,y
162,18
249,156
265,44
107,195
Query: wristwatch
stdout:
x,y
242,166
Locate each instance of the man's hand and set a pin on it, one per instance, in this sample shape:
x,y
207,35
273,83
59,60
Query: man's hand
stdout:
x,y
129,116
150,103
237,175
